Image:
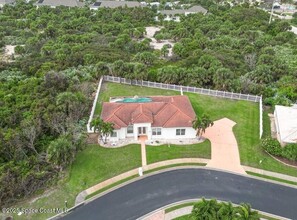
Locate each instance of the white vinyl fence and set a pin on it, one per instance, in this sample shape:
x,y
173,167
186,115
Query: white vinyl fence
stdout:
x,y
89,129
210,92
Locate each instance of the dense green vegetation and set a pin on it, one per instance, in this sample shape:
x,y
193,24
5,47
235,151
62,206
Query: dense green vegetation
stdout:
x,y
273,147
211,209
93,165
46,88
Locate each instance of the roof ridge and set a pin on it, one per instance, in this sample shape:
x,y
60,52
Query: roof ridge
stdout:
x,y
182,111
170,118
162,109
141,113
114,111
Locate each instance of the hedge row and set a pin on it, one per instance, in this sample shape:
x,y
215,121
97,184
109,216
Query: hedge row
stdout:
x,y
273,147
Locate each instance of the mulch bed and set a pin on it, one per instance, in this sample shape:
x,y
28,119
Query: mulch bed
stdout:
x,y
290,162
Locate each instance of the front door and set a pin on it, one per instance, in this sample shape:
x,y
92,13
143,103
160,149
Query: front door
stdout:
x,y
141,130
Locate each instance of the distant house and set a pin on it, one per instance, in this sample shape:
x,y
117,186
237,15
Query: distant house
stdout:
x,y
6,2
174,15
154,4
56,3
286,124
157,117
115,4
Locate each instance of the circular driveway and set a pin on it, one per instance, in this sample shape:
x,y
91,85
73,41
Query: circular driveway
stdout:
x,y
148,194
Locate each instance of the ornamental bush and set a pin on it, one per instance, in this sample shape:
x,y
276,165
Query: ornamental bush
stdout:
x,y
290,152
272,146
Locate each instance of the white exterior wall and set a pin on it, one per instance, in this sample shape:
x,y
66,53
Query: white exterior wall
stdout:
x,y
277,128
172,18
121,134
166,133
170,133
148,130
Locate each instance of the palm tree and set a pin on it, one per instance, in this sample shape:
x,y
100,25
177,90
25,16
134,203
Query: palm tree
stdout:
x,y
227,211
205,210
106,130
245,212
97,124
66,101
201,123
61,152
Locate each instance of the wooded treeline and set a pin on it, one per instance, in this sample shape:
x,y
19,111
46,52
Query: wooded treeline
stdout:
x,y
46,88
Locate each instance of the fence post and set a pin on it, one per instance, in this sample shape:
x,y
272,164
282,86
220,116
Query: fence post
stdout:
x,y
154,84
208,91
247,98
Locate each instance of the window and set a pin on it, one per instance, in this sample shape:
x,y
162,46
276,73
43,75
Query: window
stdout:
x,y
130,129
114,134
157,131
180,131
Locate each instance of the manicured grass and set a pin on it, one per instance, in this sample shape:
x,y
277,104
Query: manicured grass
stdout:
x,y
266,123
245,114
272,178
110,186
179,207
174,165
93,165
168,152
184,217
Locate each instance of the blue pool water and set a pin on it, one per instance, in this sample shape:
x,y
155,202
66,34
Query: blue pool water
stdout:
x,y
135,100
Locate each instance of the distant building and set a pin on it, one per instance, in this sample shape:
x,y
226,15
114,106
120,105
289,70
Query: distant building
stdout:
x,y
56,3
174,15
286,124
6,2
154,4
115,4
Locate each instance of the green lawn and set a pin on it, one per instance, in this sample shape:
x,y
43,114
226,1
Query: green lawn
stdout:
x,y
245,114
184,217
92,166
168,152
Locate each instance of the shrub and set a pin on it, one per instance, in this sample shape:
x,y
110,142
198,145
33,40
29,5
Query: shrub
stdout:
x,y
290,152
272,146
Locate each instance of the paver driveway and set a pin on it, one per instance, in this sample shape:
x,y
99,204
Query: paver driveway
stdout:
x,y
224,148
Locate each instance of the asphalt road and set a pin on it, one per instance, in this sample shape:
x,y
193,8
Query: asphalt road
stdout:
x,y
148,194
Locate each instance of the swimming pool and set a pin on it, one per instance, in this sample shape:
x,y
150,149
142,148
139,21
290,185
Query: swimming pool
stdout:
x,y
135,100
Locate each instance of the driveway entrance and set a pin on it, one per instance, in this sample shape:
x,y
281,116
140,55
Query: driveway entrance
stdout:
x,y
224,148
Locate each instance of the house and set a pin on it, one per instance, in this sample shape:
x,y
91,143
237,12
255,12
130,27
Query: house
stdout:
x,y
154,4
286,124
157,117
56,3
174,15
115,4
6,2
